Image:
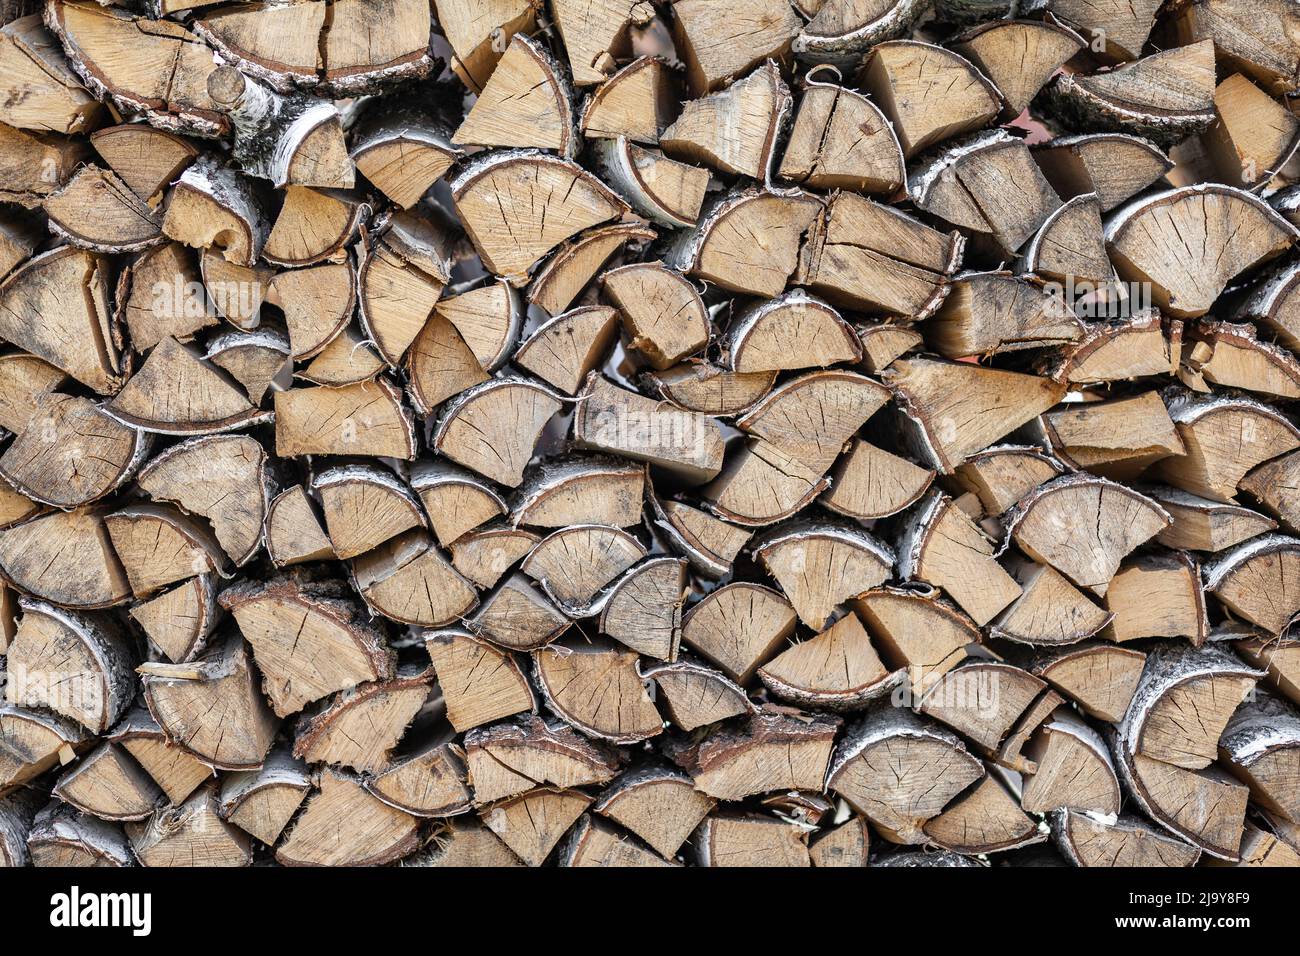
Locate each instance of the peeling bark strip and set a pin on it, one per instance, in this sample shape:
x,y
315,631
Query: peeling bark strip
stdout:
x,y
778,433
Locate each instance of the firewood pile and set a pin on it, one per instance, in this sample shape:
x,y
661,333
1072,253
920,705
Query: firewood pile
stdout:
x,y
591,433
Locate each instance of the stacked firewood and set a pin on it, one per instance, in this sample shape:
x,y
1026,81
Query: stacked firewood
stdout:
x,y
708,432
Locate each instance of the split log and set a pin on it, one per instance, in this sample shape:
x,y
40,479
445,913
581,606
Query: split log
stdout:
x,y
49,95
595,688
402,149
565,350
592,33
1019,56
720,248
512,758
1165,97
525,102
518,616
918,631
66,558
637,101
343,824
176,771
658,804
738,627
294,533
819,565
1114,439
164,77
71,453
1087,840
696,696
307,640
222,478
1069,248
311,48
1231,356
987,819
1072,770
940,545
992,312
709,543
212,707
401,275
899,771
1121,520
55,306
613,420
1225,438
62,837
1114,166
667,191
838,670
531,825
563,199
409,581
1200,524
488,319
760,485
748,840
967,184
928,93
868,482
953,410
792,331
366,419
768,753
981,699
34,742
108,784
1157,595
1116,351
428,783
492,428
575,263
454,500
147,159
1235,231
863,255
479,683
733,131
841,140
1260,747
261,802
485,554
213,206
1101,678
662,313
1050,610
479,37
358,729
582,489
592,843
176,392
1251,581
76,665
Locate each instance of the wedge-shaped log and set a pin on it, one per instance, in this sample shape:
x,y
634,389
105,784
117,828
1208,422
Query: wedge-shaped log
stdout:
x,y
212,707
596,689
549,199
1232,230
820,564
1120,519
900,771
940,545
308,641
479,683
